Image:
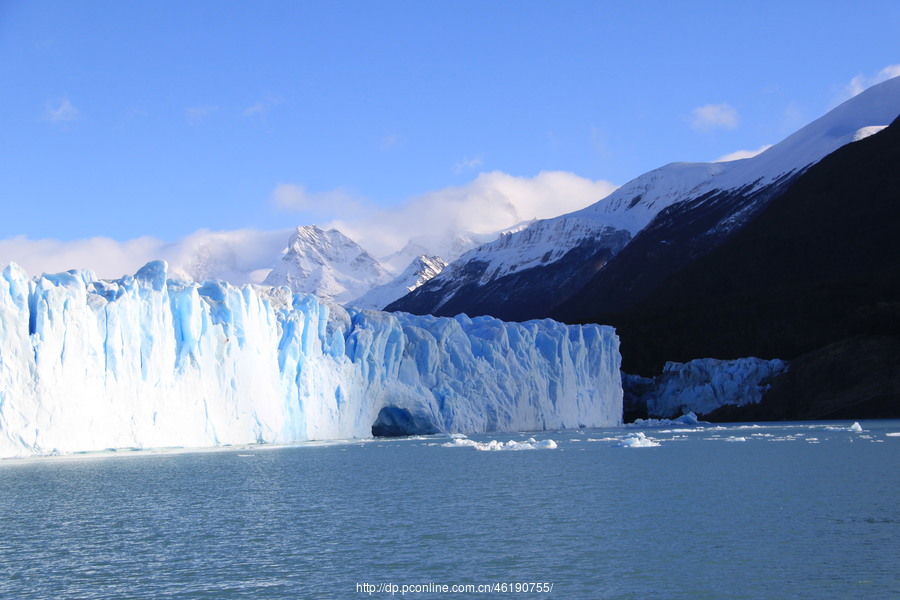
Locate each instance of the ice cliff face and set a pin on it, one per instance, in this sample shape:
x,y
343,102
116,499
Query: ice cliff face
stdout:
x,y
146,362
703,385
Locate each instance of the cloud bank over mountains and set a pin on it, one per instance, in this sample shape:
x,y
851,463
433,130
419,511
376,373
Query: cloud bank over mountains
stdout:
x,y
491,202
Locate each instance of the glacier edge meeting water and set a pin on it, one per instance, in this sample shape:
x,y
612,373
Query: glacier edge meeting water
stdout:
x,y
149,362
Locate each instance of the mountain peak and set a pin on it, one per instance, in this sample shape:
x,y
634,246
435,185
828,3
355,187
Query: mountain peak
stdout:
x,y
421,270
327,264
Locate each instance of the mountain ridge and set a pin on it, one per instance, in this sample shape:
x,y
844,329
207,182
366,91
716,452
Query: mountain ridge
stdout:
x,y
806,272
734,191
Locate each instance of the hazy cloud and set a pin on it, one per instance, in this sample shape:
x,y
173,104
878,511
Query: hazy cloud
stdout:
x,y
714,116
61,110
739,154
389,142
293,197
599,141
105,256
491,202
264,105
240,256
553,140
862,82
468,163
198,114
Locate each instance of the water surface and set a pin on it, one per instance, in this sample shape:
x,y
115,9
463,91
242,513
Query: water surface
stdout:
x,y
775,511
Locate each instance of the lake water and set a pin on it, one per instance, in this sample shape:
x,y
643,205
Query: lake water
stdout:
x,y
791,510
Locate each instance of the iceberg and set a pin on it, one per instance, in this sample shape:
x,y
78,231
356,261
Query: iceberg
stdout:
x,y
146,361
494,445
638,440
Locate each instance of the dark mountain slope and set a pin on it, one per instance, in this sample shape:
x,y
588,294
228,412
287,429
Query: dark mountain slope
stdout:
x,y
820,263
679,235
519,296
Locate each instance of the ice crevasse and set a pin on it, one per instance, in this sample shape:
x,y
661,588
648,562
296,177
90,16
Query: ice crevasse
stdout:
x,y
149,362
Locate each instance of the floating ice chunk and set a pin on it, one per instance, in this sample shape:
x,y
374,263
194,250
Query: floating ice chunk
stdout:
x,y
731,438
893,434
495,445
688,419
637,440
459,443
855,428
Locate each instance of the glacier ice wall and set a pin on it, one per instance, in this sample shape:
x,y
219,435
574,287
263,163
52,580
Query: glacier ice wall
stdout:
x,y
703,385
148,362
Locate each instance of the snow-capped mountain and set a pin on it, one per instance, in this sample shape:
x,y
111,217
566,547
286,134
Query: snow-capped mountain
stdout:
x,y
526,274
449,246
327,264
334,267
421,269
817,267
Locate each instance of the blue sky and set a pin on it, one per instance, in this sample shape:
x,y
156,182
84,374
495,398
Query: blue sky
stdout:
x,y
128,119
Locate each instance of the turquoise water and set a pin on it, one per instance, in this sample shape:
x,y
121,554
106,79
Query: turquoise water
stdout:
x,y
792,511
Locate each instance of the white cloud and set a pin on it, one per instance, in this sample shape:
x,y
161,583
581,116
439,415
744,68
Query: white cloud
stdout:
x,y
264,105
105,256
198,114
739,154
491,202
240,256
862,82
60,110
467,163
714,116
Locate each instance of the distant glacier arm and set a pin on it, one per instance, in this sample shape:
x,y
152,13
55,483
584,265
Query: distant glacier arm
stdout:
x,y
147,362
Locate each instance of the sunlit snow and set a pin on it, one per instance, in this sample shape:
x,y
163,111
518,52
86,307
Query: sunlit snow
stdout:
x,y
150,362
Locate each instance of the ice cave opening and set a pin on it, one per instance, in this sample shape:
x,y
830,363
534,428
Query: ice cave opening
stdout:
x,y
393,421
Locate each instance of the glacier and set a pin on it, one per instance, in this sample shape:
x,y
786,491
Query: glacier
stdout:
x,y
702,385
146,361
